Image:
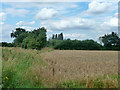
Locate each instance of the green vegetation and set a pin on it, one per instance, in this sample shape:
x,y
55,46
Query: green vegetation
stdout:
x,y
106,82
35,39
57,37
111,41
5,44
19,68
74,45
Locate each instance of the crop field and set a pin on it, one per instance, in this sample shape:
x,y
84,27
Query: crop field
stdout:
x,y
59,68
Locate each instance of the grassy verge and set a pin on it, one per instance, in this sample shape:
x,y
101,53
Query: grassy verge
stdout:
x,y
21,68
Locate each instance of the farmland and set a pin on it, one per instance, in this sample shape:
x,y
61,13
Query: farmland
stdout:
x,y
24,68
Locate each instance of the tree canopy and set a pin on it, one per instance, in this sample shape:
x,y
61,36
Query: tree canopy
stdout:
x,y
35,39
110,41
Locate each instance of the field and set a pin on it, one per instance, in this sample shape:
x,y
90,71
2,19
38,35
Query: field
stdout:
x,y
50,68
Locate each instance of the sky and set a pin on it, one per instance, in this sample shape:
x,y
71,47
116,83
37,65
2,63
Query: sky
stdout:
x,y
76,20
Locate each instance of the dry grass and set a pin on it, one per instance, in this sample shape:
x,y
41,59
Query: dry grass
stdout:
x,y
78,65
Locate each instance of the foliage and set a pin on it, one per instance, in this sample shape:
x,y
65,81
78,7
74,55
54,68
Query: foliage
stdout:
x,y
111,41
5,44
58,37
74,44
17,32
36,39
18,41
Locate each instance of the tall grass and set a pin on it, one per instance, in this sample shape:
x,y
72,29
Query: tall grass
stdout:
x,y
96,82
21,68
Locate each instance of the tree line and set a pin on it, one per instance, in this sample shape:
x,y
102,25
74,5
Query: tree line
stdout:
x,y
37,39
74,44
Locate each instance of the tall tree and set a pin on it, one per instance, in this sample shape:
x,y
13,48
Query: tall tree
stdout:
x,y
19,34
110,40
53,36
61,36
56,37
36,39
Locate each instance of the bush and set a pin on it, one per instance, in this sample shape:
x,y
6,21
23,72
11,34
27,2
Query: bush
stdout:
x,y
74,45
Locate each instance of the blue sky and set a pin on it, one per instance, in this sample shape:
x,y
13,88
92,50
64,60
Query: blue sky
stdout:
x,y
76,20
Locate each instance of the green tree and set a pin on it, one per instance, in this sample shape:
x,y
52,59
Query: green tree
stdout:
x,y
36,39
56,37
18,41
110,41
60,36
53,36
19,34
90,45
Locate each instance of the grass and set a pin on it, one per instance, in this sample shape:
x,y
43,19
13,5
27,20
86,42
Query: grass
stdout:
x,y
100,82
50,68
19,68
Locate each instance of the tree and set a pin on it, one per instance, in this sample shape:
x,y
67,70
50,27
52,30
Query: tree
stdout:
x,y
77,45
110,41
56,37
60,36
18,41
90,45
19,34
53,36
36,39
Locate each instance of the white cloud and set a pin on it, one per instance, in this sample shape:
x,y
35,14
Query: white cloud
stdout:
x,y
2,16
25,23
112,22
49,31
85,28
69,24
28,28
46,14
97,8
75,35
116,15
17,12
